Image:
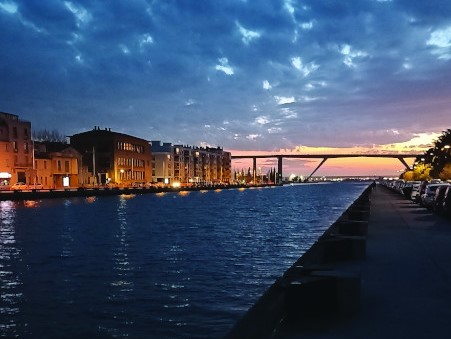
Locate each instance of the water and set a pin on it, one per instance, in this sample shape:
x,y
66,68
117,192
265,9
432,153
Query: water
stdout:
x,y
153,266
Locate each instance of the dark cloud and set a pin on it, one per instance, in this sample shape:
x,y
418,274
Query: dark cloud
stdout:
x,y
265,75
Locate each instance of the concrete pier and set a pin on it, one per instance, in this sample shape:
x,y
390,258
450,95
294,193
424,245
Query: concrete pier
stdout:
x,y
400,288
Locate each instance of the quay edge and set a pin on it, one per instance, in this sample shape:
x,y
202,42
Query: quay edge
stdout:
x,y
313,279
35,194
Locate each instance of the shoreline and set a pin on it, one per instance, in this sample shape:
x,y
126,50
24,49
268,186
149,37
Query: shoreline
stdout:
x,y
33,194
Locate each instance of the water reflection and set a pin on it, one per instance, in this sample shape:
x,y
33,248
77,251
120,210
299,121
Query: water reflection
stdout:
x,y
184,193
90,200
122,285
31,203
10,282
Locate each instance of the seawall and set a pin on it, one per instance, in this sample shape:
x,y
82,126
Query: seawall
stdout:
x,y
313,288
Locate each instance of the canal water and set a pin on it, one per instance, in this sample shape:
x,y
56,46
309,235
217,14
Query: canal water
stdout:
x,y
174,265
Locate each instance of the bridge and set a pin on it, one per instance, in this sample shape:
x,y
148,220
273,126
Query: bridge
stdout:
x,y
324,157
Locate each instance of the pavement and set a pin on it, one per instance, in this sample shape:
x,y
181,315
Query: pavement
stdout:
x,y
405,277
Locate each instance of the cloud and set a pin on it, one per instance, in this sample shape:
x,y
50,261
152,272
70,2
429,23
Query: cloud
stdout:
x,y
81,14
224,66
441,40
10,7
262,120
266,85
253,137
284,100
283,73
349,55
247,35
305,69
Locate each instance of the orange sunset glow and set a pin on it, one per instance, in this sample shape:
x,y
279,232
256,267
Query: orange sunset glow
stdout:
x,y
342,166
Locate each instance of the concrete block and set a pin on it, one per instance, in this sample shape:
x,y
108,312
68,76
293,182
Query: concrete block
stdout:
x,y
353,227
310,297
347,288
343,247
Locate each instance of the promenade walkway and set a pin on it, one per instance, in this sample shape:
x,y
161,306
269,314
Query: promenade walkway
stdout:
x,y
405,277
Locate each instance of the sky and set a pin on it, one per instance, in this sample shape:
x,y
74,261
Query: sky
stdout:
x,y
249,76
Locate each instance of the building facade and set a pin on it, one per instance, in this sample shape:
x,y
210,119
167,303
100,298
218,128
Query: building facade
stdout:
x,y
56,165
113,158
16,150
162,162
190,165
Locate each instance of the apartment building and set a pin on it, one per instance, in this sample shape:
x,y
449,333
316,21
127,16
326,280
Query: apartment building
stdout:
x,y
113,158
162,162
190,165
16,151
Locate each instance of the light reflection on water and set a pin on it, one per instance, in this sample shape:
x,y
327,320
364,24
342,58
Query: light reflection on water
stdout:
x,y
10,286
168,265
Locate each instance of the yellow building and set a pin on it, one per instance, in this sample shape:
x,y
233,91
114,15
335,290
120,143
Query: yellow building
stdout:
x,y
57,165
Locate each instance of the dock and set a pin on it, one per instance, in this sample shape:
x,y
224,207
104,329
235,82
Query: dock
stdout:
x,y
400,287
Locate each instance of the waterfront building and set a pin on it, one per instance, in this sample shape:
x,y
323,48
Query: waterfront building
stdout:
x,y
190,165
162,162
113,158
16,151
57,165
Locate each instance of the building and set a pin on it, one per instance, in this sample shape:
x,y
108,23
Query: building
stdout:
x,y
113,158
16,151
162,162
57,165
190,165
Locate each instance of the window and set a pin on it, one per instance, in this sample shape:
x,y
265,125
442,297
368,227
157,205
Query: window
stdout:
x,y
66,166
25,133
15,132
58,165
15,146
45,164
25,147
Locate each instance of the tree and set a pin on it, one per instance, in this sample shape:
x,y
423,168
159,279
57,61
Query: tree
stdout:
x,y
47,135
435,162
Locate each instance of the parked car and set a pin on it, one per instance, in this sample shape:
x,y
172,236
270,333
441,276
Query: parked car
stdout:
x,y
438,198
415,195
19,186
427,199
446,204
407,188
